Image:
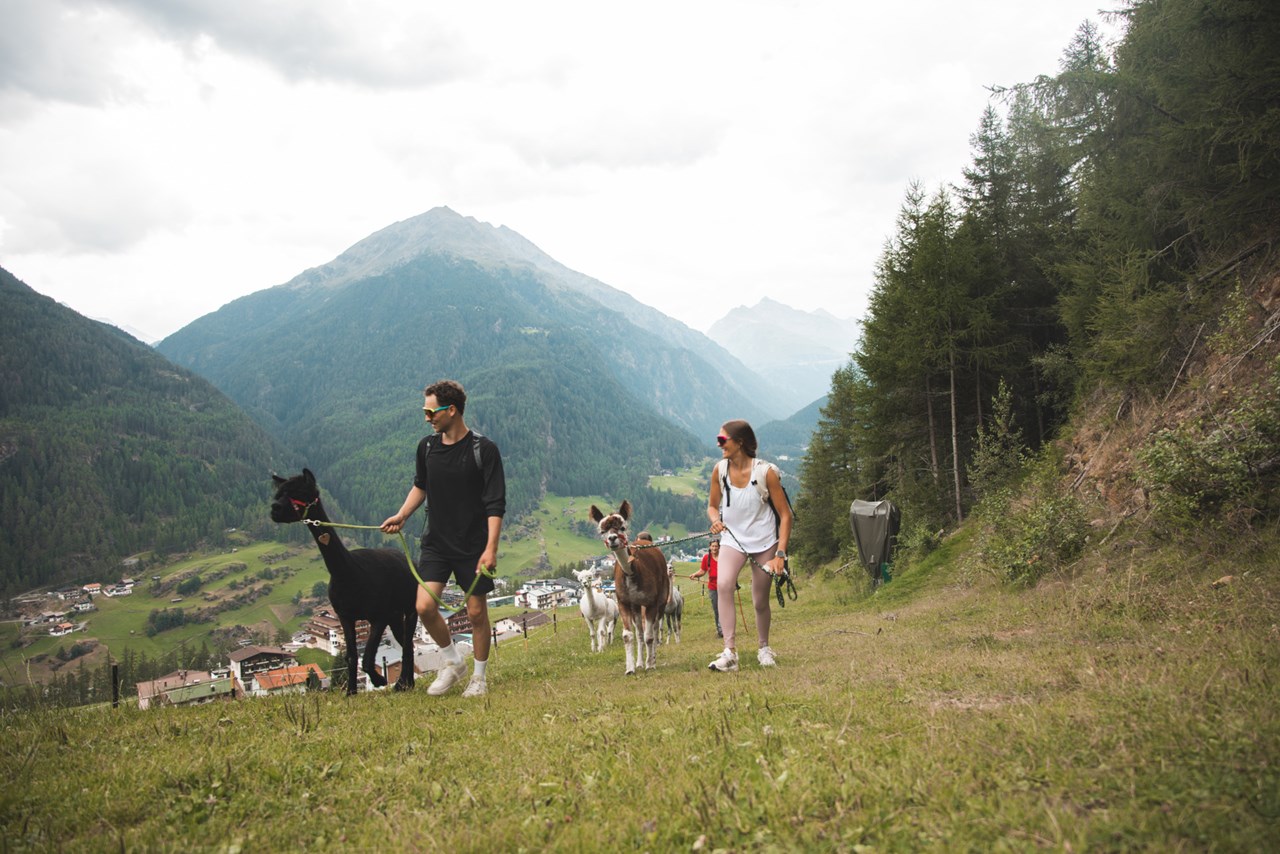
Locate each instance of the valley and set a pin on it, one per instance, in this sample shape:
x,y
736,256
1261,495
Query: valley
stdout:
x,y
262,589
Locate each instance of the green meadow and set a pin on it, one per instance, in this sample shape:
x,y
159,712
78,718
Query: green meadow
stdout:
x,y
1129,704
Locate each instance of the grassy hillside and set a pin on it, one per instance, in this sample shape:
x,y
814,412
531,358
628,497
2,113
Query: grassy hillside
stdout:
x,y
1130,705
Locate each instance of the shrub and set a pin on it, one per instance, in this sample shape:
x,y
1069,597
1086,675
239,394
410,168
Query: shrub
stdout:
x,y
1030,533
191,585
999,454
915,542
1217,464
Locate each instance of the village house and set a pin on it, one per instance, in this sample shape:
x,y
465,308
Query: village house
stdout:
x,y
220,688
391,671
527,620
62,629
49,617
544,595
92,588
325,632
286,680
459,623
150,690
252,660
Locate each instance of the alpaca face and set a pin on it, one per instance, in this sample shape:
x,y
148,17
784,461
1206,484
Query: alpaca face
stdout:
x,y
294,496
613,528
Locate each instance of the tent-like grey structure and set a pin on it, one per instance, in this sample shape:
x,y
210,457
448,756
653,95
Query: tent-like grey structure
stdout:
x,y
875,527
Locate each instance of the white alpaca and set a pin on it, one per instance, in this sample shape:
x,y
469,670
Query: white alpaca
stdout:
x,y
673,612
600,612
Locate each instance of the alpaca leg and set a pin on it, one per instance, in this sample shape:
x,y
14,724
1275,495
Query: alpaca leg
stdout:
x,y
651,622
371,648
402,631
628,635
349,637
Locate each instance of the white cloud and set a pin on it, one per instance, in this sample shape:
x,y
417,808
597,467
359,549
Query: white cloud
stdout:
x,y
698,155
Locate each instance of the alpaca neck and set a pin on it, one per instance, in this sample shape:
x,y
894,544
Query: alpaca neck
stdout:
x,y
624,559
335,554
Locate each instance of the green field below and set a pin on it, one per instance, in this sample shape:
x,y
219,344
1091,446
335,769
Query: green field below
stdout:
x,y
1128,706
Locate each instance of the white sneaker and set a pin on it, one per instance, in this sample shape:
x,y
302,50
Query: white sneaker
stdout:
x,y
476,688
766,657
726,662
447,678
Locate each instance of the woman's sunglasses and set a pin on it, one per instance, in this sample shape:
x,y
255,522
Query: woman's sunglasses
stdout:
x,y
721,439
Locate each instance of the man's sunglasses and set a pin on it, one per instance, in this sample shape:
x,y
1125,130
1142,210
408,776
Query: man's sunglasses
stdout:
x,y
432,413
721,439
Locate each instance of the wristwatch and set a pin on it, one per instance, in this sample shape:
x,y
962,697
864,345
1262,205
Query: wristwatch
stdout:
x,y
780,553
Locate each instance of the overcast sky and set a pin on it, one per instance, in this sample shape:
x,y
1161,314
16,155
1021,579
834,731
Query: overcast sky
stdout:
x,y
159,159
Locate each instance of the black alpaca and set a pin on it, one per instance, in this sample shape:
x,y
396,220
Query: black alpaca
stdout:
x,y
364,584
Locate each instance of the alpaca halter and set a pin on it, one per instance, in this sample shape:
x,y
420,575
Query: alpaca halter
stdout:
x,y
303,507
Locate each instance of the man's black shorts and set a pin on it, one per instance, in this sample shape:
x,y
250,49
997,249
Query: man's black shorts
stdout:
x,y
462,570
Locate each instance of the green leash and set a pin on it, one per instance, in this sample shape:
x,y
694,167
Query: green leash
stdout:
x,y
404,544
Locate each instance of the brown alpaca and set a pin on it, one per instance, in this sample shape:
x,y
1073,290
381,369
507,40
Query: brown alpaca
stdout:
x,y
641,584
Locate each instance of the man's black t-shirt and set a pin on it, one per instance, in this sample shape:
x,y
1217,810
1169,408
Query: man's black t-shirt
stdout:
x,y
460,496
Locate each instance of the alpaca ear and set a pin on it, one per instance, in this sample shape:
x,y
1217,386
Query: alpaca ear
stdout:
x,y
277,478
594,514
625,511
310,478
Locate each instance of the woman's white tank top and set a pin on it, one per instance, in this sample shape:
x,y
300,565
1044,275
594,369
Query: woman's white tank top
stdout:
x,y
748,517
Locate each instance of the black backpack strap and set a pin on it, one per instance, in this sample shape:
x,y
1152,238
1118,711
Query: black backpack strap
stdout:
x,y
431,440
724,485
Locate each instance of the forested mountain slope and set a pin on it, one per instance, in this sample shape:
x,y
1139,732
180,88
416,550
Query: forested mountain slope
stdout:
x,y
336,372
790,437
1086,330
718,382
107,448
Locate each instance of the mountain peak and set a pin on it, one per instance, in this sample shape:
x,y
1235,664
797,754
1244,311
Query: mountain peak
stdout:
x,y
774,339
439,231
